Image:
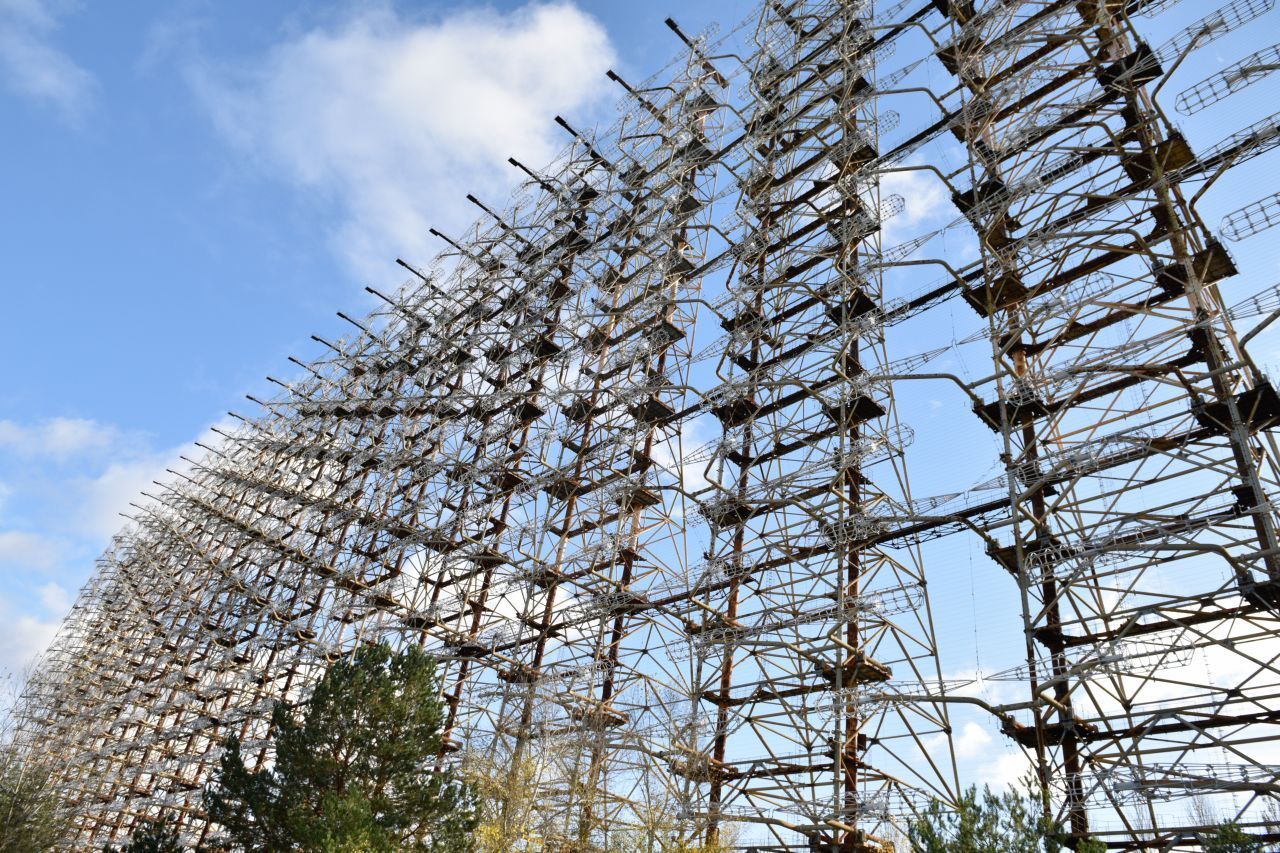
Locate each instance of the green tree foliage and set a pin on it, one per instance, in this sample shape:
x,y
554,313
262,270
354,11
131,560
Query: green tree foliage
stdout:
x,y
1230,838
984,822
990,822
351,769
151,836
31,814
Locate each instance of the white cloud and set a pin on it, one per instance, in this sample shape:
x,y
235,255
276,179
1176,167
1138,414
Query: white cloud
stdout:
x,y
107,468
55,599
926,202
1005,771
26,635
28,550
972,741
59,438
79,505
394,119
29,63
109,494
24,638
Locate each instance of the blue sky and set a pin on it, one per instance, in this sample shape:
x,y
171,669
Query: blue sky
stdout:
x,y
191,190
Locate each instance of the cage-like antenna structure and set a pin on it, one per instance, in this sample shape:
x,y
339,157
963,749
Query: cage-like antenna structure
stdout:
x,y
631,459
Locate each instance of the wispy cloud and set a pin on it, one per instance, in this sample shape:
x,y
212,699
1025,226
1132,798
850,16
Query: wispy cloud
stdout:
x,y
393,120
55,598
28,550
62,438
926,203
25,637
108,494
32,66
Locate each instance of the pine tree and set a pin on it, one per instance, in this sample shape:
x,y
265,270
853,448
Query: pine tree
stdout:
x,y
987,822
351,768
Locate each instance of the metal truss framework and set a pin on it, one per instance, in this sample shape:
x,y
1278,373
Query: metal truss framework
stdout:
x,y
629,462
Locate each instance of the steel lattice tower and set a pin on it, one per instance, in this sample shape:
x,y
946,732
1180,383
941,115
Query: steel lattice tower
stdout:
x,y
629,459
